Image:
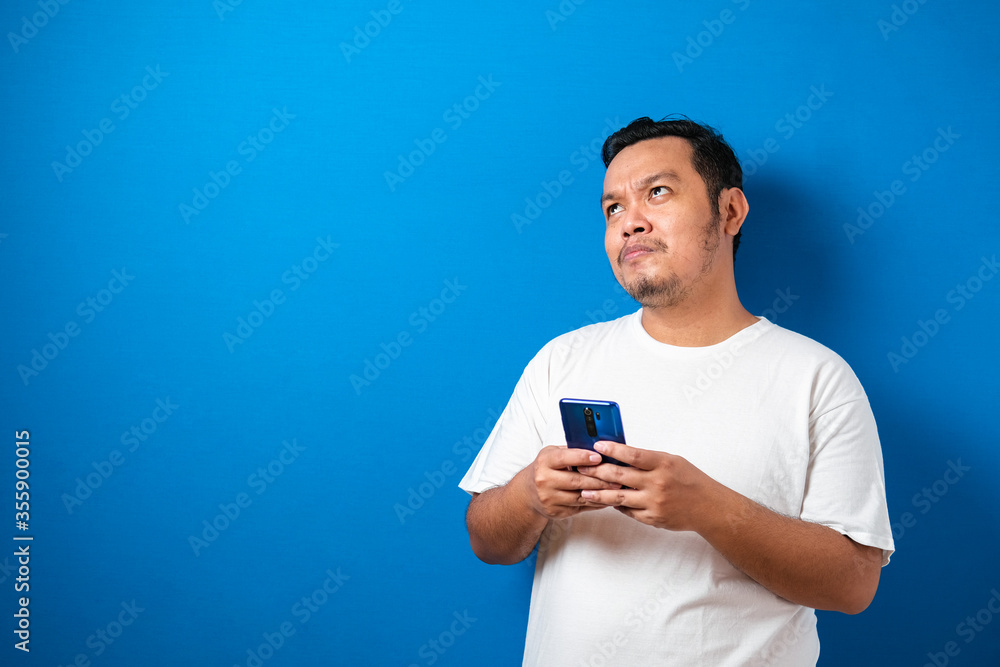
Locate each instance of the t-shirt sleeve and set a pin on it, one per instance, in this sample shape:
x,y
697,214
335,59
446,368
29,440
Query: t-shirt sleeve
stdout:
x,y
845,485
518,434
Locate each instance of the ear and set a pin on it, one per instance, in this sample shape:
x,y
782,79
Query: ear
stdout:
x,y
733,208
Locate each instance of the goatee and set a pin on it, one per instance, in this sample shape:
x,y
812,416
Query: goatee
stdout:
x,y
654,291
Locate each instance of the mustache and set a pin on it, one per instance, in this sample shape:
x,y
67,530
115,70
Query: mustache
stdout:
x,y
653,245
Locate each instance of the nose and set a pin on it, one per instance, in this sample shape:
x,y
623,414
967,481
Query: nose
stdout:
x,y
635,222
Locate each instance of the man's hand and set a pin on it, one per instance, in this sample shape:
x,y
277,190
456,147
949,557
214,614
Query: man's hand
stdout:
x,y
667,491
505,522
554,489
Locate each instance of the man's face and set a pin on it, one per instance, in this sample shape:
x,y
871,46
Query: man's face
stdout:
x,y
662,237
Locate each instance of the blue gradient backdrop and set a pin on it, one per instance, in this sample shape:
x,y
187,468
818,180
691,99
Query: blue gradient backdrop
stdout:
x,y
290,197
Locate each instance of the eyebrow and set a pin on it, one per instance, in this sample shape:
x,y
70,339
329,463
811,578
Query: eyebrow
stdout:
x,y
644,183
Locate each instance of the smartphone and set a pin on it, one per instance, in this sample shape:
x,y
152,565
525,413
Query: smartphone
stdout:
x,y
586,422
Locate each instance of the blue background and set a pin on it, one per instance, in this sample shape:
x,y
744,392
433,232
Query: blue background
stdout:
x,y
368,489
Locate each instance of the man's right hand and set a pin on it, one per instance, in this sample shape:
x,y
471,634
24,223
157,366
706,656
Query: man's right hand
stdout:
x,y
553,487
505,522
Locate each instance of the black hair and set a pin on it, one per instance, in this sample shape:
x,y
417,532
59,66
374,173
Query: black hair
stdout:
x,y
713,159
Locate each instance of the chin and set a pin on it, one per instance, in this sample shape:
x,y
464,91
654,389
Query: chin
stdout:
x,y
657,293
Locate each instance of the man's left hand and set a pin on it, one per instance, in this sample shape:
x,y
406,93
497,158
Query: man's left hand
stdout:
x,y
666,491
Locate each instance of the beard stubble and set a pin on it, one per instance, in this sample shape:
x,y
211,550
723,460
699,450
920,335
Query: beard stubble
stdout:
x,y
655,291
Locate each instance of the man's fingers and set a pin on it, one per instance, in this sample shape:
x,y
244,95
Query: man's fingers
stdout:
x,y
574,481
570,499
609,472
612,498
578,481
567,457
601,485
635,457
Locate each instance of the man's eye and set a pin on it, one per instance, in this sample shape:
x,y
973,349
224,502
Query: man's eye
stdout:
x,y
613,208
660,190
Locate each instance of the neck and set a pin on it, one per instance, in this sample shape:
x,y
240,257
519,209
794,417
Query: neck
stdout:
x,y
697,324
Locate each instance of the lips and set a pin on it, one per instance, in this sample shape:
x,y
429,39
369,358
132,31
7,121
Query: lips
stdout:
x,y
633,251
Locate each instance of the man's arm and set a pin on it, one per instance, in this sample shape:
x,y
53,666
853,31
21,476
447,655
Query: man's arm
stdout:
x,y
505,522
803,562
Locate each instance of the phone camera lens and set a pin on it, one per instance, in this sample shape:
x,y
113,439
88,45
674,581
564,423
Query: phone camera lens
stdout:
x,y
588,411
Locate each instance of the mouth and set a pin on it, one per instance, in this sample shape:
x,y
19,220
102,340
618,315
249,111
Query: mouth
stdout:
x,y
635,251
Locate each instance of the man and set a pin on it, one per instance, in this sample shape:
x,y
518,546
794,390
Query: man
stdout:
x,y
754,492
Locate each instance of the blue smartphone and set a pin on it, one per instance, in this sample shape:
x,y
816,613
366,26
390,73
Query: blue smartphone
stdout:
x,y
585,422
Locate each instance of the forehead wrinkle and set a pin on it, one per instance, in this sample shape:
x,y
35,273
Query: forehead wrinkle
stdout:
x,y
644,182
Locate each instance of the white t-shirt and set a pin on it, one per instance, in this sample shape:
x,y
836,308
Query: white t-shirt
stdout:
x,y
768,413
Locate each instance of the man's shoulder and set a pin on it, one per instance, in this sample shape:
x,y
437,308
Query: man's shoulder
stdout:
x,y
800,354
580,345
799,345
